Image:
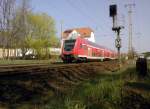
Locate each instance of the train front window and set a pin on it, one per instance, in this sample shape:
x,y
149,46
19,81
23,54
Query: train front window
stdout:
x,y
69,44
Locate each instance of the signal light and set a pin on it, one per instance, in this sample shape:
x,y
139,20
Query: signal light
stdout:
x,y
112,10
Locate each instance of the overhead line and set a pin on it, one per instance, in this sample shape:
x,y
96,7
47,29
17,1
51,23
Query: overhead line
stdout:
x,y
76,8
85,5
83,13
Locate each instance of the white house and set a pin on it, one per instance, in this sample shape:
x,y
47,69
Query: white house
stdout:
x,y
84,32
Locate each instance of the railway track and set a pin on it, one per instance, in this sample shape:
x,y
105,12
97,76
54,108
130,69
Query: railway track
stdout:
x,y
17,68
43,68
19,83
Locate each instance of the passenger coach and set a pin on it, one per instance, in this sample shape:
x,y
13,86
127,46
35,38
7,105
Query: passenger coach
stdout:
x,y
82,50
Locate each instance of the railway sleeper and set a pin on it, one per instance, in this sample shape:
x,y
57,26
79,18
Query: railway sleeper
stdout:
x,y
74,74
69,76
81,76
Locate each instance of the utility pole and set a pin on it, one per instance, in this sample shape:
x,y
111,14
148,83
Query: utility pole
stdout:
x,y
130,47
61,35
61,30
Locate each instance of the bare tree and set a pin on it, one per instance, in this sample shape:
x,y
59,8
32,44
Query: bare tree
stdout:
x,y
6,15
13,25
20,26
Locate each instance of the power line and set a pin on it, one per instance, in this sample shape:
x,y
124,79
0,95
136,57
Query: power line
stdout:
x,y
79,10
84,6
82,13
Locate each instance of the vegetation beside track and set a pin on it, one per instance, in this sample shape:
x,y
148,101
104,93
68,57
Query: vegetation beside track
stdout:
x,y
20,62
124,90
107,89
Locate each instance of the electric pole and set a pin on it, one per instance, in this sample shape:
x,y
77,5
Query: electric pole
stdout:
x,y
130,47
61,35
61,30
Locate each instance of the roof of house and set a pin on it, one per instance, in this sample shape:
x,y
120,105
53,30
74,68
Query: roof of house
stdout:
x,y
84,32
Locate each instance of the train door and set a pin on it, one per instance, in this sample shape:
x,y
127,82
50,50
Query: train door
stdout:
x,y
103,53
85,49
89,51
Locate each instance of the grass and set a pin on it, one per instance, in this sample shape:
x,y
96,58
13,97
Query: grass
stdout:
x,y
11,62
105,91
101,92
15,61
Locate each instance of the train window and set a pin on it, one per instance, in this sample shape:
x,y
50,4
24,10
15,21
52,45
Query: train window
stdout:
x,y
93,52
84,47
69,44
98,52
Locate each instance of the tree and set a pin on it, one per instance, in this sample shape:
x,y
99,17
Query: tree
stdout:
x,y
6,15
21,27
42,33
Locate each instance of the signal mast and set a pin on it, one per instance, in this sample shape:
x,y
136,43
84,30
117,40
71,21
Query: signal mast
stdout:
x,y
116,29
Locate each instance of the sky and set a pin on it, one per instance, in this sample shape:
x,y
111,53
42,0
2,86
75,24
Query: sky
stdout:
x,y
95,14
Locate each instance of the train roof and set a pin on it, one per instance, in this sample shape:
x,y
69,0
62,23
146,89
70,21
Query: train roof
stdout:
x,y
98,46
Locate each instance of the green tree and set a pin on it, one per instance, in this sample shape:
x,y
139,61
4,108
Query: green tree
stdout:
x,y
27,30
42,33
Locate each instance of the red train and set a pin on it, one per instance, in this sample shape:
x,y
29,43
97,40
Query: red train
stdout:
x,y
82,50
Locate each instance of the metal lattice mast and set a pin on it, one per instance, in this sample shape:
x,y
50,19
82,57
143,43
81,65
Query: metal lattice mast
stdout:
x,y
130,47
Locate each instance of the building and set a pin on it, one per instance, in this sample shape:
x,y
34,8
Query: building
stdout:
x,y
84,32
18,53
